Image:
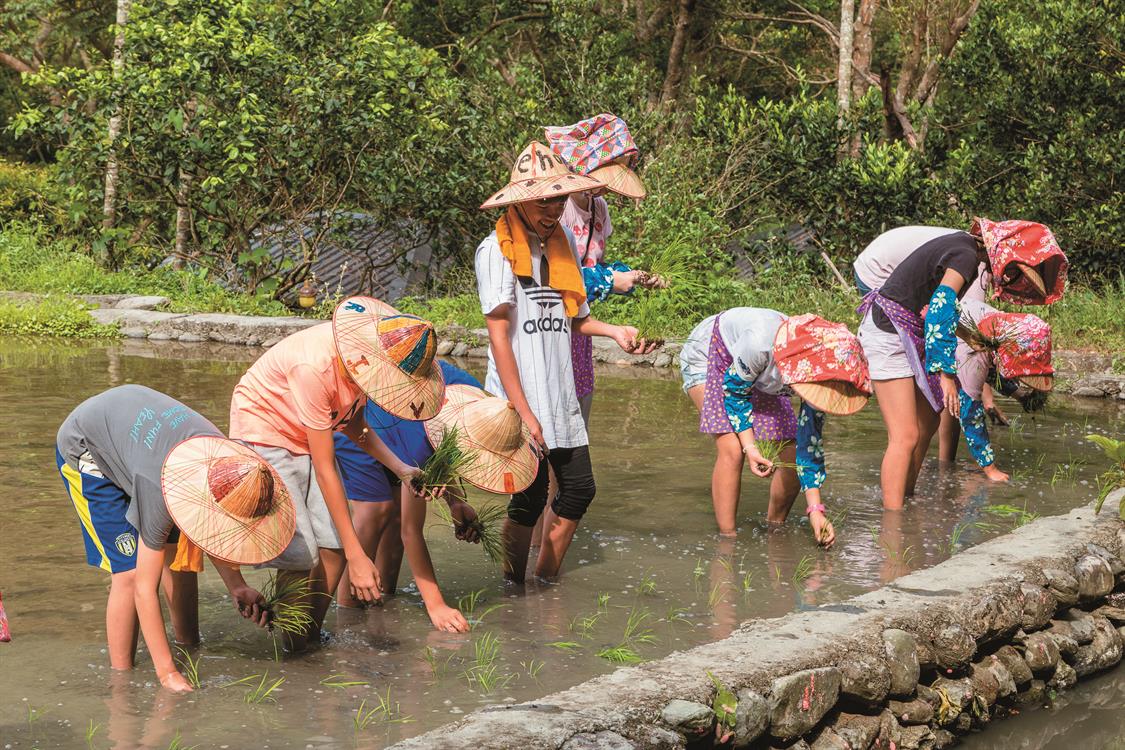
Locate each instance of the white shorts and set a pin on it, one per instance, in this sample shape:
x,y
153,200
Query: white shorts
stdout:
x,y
315,529
886,357
693,360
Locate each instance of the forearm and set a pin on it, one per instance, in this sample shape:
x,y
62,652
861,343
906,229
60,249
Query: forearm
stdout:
x,y
812,497
417,553
810,451
231,574
591,326
506,366
975,428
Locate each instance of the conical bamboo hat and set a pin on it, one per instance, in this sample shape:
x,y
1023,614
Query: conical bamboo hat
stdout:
x,y
391,356
228,500
489,427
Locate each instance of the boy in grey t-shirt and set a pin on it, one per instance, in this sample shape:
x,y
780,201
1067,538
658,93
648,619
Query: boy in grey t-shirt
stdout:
x,y
111,452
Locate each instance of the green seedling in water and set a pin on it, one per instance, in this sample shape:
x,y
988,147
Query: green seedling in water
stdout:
x,y
960,529
724,706
341,681
699,570
565,645
726,564
803,570
468,606
603,601
384,711
488,525
1019,516
747,579
33,715
262,691
483,671
648,584
620,654
584,625
533,668
177,743
718,593
777,572
676,614
91,730
189,667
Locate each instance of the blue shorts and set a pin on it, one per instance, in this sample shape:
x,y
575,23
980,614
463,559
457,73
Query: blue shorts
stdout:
x,y
365,479
111,541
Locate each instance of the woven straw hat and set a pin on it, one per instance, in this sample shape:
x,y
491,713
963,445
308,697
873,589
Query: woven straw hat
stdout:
x,y
491,428
390,355
620,179
539,173
228,500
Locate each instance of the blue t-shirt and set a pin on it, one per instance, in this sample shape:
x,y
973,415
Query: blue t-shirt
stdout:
x,y
364,478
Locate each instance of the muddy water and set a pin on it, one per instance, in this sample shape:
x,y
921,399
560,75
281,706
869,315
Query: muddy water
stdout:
x,y
646,551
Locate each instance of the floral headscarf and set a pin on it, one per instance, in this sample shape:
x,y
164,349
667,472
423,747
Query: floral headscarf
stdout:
x,y
1027,243
1023,343
810,349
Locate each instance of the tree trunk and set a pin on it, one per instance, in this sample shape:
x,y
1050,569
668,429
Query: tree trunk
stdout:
x,y
844,66
183,190
673,76
109,206
864,45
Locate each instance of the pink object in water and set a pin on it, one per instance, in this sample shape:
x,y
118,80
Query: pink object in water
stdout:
x,y
5,633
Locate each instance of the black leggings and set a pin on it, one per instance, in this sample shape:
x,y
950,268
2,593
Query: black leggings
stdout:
x,y
576,487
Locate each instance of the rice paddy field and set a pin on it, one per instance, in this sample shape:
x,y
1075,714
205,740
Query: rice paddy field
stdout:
x,y
646,575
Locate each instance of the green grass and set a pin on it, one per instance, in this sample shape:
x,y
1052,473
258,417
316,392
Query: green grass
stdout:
x,y
51,316
32,260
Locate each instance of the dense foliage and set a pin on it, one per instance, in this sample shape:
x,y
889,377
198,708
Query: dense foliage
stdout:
x,y
260,117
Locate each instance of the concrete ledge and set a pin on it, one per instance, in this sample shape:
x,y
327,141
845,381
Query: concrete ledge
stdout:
x,y
1079,373
936,653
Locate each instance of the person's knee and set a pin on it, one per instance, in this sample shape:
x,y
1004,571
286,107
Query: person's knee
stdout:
x,y
573,501
525,510
729,452
905,437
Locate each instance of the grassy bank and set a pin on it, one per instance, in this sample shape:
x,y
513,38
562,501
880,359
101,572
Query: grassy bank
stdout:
x,y
33,261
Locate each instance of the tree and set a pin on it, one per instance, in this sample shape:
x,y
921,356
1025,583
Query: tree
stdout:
x,y
109,201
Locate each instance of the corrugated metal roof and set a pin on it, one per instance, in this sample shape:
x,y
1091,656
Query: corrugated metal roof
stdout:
x,y
359,256
751,255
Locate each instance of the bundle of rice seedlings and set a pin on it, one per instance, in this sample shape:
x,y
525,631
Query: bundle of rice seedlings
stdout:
x,y
488,525
771,451
968,330
444,468
289,605
652,313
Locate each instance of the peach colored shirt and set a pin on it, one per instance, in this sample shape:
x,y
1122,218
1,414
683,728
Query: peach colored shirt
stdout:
x,y
296,386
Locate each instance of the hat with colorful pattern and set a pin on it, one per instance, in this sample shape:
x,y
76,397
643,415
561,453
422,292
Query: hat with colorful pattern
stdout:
x,y
823,363
539,173
1021,346
602,148
1028,266
390,355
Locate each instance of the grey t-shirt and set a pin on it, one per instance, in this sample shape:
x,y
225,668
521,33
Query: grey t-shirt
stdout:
x,y
129,431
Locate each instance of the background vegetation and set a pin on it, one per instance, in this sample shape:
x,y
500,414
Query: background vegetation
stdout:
x,y
238,119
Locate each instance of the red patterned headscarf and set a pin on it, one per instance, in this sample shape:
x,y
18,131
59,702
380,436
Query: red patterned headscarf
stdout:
x,y
1024,343
1016,242
810,349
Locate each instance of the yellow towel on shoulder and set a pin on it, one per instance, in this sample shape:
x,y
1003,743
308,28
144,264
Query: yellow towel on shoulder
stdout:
x,y
566,277
189,557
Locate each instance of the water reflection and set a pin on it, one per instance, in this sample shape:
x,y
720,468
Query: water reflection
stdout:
x,y
647,553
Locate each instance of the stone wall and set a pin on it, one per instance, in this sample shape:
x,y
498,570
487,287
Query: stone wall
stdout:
x,y
1079,373
912,665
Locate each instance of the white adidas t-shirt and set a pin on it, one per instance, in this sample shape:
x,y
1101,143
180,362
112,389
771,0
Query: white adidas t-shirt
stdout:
x,y
540,336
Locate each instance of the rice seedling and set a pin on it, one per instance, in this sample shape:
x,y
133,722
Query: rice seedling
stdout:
x,y
341,681
468,606
483,671
263,691
726,564
803,570
647,586
747,580
718,593
437,666
533,668
1114,477
1019,516
177,743
488,524
699,571
33,715
636,632
676,614
603,601
777,573
771,450
620,654
583,625
189,667
91,731
384,711
444,468
565,645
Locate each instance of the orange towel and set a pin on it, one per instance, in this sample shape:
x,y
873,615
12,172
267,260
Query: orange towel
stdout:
x,y
189,557
566,277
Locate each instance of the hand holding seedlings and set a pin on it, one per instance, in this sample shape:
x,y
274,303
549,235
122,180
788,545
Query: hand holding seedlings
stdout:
x,y
447,619
252,605
175,682
465,526
759,464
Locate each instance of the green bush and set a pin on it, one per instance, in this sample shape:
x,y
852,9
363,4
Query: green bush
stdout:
x,y
51,316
